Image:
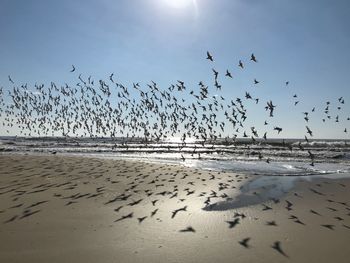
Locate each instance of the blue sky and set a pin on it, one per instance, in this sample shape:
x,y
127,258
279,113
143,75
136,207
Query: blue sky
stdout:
x,y
304,42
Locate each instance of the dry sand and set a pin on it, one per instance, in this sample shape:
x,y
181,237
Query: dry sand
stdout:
x,y
62,209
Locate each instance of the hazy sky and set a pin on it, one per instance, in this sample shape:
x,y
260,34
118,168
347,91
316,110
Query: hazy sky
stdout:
x,y
303,41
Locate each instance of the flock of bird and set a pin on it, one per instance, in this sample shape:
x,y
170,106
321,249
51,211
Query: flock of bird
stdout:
x,y
110,109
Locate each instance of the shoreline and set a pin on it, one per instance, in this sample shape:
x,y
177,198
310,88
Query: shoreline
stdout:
x,y
83,209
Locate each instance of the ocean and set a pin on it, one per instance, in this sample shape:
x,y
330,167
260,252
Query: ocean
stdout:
x,y
273,157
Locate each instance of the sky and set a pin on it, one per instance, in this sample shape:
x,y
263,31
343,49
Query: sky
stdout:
x,y
305,42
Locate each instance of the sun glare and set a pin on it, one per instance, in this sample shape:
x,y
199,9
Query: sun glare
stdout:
x,y
178,3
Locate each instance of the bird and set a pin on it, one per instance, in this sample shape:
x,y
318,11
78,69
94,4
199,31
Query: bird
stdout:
x,y
309,131
73,69
228,74
10,79
278,129
209,56
252,57
240,64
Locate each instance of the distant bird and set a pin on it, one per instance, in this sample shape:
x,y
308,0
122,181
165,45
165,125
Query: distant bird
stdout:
x,y
287,82
252,57
256,82
209,56
73,68
309,131
240,64
278,129
228,74
9,77
216,73
111,77
265,136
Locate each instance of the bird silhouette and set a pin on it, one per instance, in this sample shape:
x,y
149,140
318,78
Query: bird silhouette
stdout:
x,y
10,79
209,56
252,57
228,74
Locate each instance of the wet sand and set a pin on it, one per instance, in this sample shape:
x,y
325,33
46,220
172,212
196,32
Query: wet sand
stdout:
x,y
71,209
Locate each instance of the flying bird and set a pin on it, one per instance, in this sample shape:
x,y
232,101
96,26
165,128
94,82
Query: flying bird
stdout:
x,y
209,56
252,57
228,74
10,79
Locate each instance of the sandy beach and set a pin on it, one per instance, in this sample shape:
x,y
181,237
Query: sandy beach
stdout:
x,y
74,209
